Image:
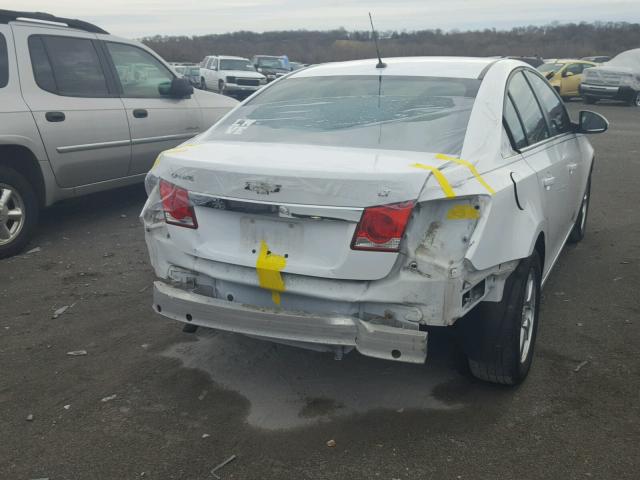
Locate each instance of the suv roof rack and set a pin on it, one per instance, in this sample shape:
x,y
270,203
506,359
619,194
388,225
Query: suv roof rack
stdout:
x,y
7,16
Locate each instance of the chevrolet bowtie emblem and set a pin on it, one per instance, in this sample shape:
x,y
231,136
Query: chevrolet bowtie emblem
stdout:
x,y
262,188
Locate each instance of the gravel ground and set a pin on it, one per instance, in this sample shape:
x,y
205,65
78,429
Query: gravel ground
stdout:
x,y
148,401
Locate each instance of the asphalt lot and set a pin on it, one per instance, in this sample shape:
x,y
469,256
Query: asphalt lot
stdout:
x,y
275,407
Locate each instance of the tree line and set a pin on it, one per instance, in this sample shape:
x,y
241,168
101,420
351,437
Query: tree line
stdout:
x,y
551,41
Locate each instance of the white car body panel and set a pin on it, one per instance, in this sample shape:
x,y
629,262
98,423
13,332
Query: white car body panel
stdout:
x,y
446,265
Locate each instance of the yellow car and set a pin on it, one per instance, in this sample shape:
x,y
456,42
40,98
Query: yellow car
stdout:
x,y
565,75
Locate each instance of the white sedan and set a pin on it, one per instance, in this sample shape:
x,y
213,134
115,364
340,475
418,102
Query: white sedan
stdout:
x,y
348,206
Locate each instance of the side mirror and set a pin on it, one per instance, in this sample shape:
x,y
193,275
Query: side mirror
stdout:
x,y
550,75
179,87
567,74
592,122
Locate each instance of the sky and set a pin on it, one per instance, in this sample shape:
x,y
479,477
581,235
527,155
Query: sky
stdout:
x,y
139,18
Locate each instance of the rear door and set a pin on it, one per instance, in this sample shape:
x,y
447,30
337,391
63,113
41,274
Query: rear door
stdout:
x,y
572,78
156,122
545,158
566,144
211,75
74,103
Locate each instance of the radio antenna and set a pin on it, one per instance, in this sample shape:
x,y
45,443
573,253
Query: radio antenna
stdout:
x,y
380,64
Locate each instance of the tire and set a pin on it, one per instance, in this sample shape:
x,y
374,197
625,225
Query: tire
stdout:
x,y
565,99
579,228
203,84
590,100
495,339
635,100
221,87
16,194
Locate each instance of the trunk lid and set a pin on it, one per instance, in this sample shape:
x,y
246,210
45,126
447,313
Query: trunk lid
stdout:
x,y
255,202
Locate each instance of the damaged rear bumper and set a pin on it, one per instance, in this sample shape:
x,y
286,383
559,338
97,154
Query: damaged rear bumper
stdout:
x,y
373,340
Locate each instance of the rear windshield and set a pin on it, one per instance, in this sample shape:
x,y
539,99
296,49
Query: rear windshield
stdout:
x,y
4,62
428,114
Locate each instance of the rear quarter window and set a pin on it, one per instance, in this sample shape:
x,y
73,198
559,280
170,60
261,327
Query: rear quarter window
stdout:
x,y
4,62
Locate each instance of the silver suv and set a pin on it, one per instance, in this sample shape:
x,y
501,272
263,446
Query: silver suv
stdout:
x,y
82,111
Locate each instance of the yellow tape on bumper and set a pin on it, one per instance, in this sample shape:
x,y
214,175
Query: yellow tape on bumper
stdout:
x,y
471,168
442,180
268,267
463,212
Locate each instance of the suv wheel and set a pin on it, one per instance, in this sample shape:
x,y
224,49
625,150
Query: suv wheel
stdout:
x,y
635,100
590,100
498,337
18,212
221,87
203,84
579,228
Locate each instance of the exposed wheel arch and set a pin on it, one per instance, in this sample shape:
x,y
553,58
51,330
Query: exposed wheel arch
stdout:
x,y
23,160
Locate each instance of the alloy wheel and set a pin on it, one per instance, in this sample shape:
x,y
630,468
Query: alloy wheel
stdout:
x,y
529,306
11,214
583,210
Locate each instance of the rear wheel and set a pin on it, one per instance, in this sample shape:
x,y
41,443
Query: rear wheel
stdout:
x,y
18,212
203,84
579,228
635,99
590,100
498,337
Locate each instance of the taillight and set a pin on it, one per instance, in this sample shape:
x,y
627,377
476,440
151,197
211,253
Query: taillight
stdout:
x,y
177,207
381,228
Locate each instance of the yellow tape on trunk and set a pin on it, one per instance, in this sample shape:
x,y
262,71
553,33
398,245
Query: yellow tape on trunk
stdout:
x,y
442,180
471,168
268,267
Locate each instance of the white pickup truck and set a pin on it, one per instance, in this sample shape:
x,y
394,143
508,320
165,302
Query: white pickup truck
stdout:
x,y
230,75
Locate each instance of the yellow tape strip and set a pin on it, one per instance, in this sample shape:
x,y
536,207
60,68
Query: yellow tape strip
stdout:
x,y
442,180
463,212
471,168
181,149
268,267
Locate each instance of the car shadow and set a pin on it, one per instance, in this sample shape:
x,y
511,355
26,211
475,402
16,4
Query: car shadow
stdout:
x,y
85,210
288,387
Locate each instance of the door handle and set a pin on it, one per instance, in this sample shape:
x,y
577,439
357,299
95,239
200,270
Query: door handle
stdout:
x,y
55,116
548,181
140,113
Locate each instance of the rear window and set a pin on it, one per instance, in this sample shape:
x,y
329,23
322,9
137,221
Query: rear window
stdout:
x,y
428,114
550,67
4,62
67,66
244,65
535,125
